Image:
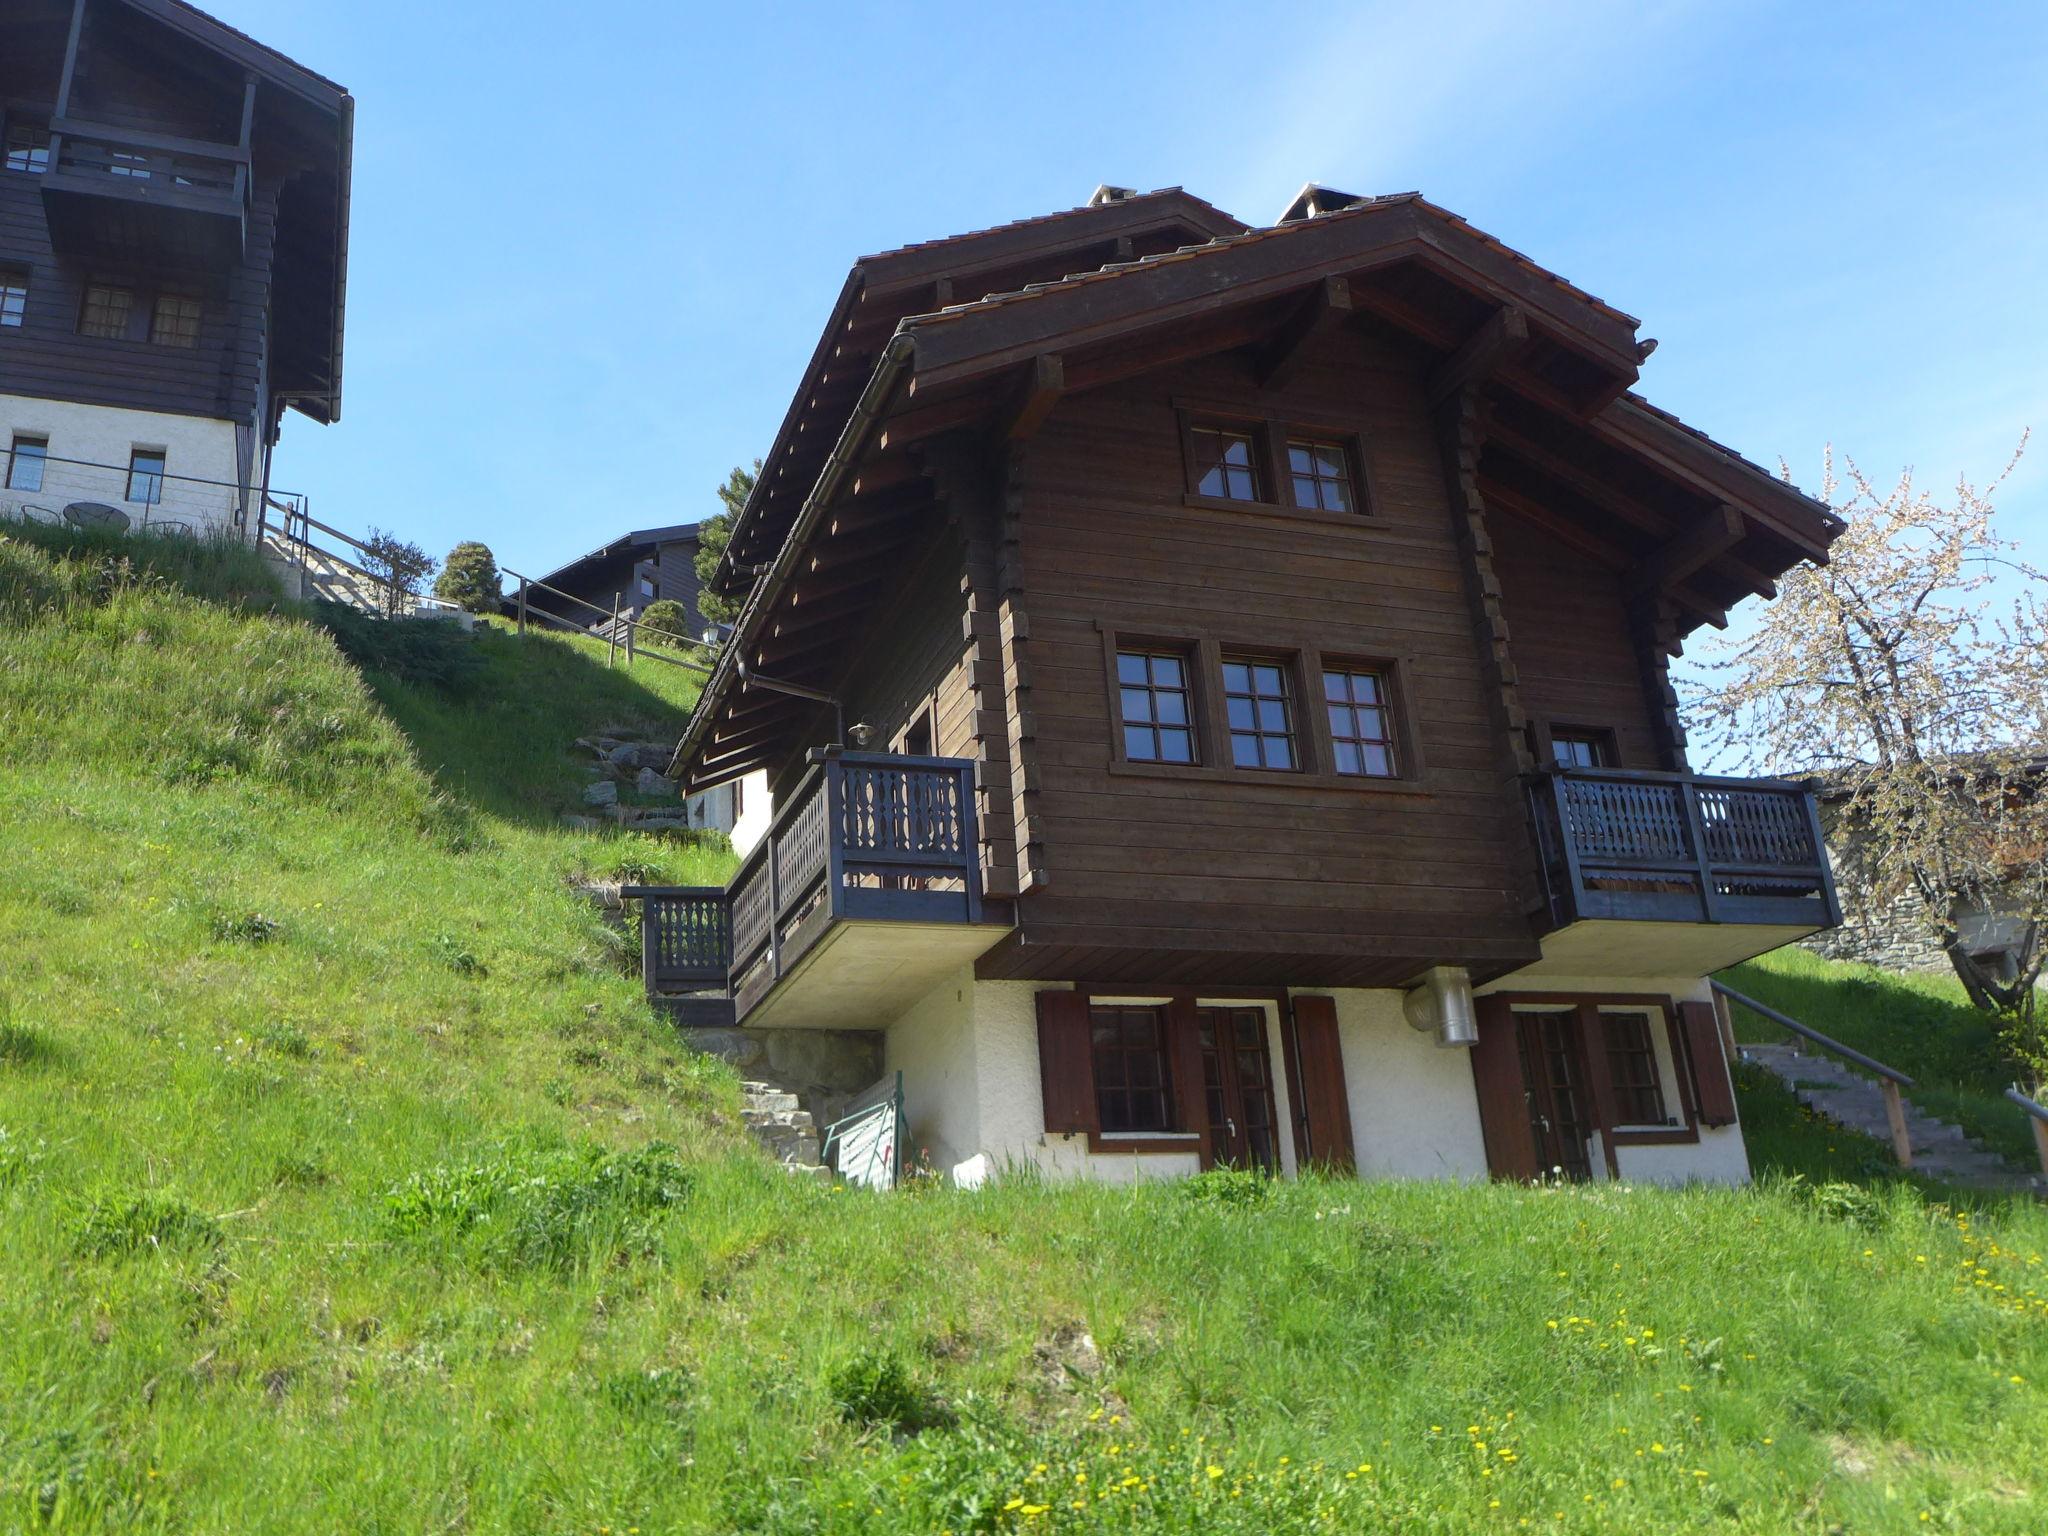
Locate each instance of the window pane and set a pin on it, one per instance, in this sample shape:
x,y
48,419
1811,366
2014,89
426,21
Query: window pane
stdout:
x,y
1177,746
1299,460
1153,701
1379,762
1140,745
1272,715
1137,703
1240,712
1167,672
1244,751
25,464
1280,752
1347,757
1336,685
1237,677
1224,463
1130,667
1172,707
1360,730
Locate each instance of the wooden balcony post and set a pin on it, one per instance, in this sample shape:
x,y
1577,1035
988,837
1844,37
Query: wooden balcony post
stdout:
x,y
834,790
1895,1112
1695,828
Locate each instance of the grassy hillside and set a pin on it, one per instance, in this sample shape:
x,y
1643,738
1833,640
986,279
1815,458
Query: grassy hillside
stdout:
x,y
346,1183
1920,1024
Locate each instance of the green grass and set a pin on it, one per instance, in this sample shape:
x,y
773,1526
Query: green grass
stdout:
x,y
1920,1024
346,1182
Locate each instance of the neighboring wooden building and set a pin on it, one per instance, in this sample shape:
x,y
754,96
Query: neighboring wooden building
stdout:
x,y
1252,645
173,259
623,577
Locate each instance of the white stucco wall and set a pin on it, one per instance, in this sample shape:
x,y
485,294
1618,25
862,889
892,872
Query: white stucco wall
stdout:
x,y
198,447
934,1047
757,809
1414,1110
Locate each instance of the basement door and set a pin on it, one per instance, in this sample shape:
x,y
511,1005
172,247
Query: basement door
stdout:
x,y
1237,1082
1554,1081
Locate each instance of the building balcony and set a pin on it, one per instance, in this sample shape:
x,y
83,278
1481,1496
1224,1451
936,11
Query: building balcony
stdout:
x,y
864,894
126,196
1662,874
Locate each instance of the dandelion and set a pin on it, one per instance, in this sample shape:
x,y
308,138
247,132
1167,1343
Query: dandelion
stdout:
x,y
1214,1472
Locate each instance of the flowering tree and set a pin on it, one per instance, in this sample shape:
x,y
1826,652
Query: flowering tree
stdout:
x,y
1911,672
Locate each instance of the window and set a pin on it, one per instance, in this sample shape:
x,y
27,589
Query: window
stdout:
x,y
146,476
1632,1066
1132,1089
1581,749
1361,724
1225,462
174,322
28,147
25,463
1260,710
13,294
1320,473
106,311
122,162
1155,699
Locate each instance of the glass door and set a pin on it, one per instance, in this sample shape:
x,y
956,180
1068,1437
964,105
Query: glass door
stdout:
x,y
1553,1079
1237,1082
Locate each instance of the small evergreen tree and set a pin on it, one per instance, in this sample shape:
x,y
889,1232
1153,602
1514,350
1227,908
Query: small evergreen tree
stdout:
x,y
712,535
666,619
469,578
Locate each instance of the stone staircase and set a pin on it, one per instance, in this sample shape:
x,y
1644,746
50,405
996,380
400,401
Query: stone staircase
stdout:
x,y
783,1127
1940,1150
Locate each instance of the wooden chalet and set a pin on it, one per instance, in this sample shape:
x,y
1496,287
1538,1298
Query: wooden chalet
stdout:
x,y
1214,685
173,261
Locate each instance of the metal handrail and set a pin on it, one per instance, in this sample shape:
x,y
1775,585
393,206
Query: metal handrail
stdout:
x,y
633,625
1786,1021
123,469
2032,1106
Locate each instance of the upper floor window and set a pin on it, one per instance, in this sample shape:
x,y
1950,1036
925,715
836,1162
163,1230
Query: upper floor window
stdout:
x,y
1260,710
1632,1068
174,320
1581,749
1320,475
1225,462
105,311
28,147
146,476
1361,723
13,294
25,463
1155,700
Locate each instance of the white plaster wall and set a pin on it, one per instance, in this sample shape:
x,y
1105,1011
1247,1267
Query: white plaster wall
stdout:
x,y
1719,1157
100,435
934,1047
756,812
1414,1109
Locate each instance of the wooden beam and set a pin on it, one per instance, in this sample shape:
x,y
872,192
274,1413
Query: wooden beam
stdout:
x,y
1483,354
1573,536
1045,380
928,421
1327,304
1697,546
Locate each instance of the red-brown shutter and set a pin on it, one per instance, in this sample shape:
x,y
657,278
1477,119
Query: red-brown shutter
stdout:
x,y
1322,1108
1503,1098
1702,1031
1066,1063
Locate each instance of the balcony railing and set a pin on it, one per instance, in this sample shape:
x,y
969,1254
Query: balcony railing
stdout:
x,y
866,836
110,188
40,487
1680,848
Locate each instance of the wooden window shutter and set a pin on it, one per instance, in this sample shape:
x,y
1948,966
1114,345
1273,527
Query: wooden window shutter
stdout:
x,y
1702,1031
1322,1102
1503,1098
1066,1063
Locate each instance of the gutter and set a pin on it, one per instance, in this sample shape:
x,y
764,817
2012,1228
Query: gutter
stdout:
x,y
866,412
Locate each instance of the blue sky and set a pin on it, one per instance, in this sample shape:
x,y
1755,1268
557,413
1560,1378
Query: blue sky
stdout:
x,y
593,246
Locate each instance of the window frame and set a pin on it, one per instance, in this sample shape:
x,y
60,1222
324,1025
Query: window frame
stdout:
x,y
1548,733
1398,744
23,123
1673,1063
85,304
159,475
41,459
1291,696
1205,651
197,316
15,278
1346,446
1189,655
1270,434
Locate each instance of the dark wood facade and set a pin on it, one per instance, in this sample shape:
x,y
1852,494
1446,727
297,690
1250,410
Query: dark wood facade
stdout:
x,y
624,576
175,157
1004,500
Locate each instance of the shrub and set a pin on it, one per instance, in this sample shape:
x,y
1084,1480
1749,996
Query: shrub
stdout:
x,y
1228,1187
114,1224
469,578
666,617
875,1387
531,1205
400,566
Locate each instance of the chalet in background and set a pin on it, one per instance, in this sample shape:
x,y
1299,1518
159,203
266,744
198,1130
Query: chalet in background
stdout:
x,y
622,577
173,257
1214,685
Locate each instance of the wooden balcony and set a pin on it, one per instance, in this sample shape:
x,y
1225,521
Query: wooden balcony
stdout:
x,y
865,892
127,196
1672,874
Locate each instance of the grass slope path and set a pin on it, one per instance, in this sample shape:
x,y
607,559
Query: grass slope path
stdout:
x,y
346,1182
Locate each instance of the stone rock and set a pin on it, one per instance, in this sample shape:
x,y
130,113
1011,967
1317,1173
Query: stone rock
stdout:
x,y
603,792
652,783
